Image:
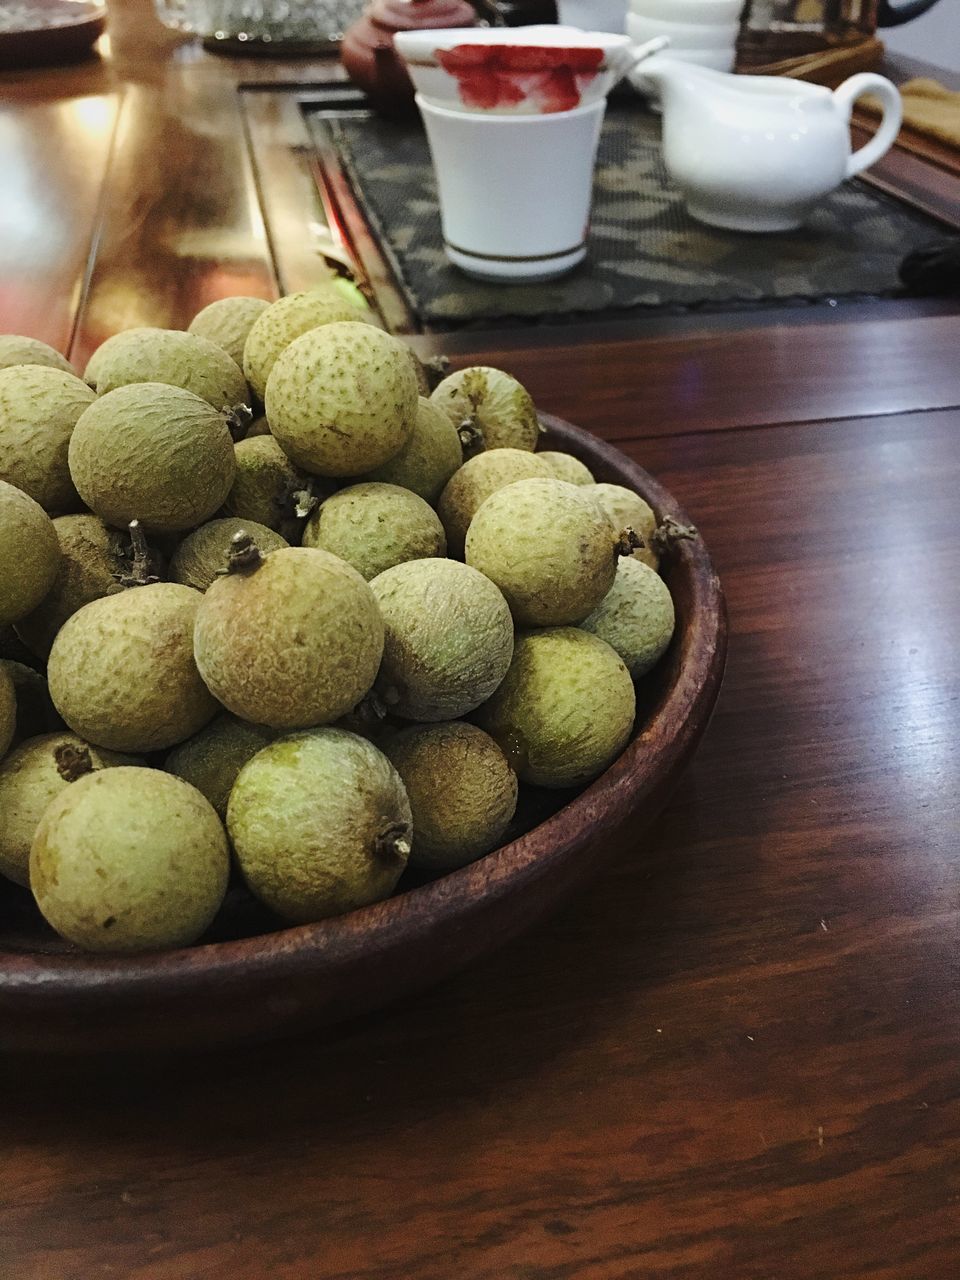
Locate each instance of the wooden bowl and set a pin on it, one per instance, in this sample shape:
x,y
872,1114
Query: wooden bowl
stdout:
x,y
245,988
57,31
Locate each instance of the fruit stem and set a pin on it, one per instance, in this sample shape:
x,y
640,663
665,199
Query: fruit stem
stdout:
x,y
139,575
72,762
393,845
669,532
238,419
628,542
304,500
244,554
471,437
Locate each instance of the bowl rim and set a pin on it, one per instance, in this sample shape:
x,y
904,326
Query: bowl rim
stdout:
x,y
641,771
424,42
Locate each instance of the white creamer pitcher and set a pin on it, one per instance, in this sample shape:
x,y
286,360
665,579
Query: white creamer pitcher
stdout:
x,y
756,153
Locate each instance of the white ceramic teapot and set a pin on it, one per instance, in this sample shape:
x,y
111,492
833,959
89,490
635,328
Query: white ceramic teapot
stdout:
x,y
756,153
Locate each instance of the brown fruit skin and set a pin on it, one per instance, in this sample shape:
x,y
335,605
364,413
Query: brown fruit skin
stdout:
x,y
548,547
30,778
293,643
203,555
565,710
93,366
8,711
91,562
493,402
478,478
342,399
212,758
564,466
36,714
264,486
320,823
16,350
153,453
375,526
228,322
636,617
448,639
428,459
39,409
258,427
173,358
288,319
121,671
128,860
462,791
627,510
29,554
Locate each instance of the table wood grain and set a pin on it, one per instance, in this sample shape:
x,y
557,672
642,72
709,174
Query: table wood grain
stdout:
x,y
736,1056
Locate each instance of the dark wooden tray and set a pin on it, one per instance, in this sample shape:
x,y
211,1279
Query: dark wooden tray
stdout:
x,y
282,982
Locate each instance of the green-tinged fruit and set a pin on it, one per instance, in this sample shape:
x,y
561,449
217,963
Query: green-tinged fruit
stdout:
x,y
375,526
121,671
129,859
291,640
16,350
29,553
211,759
93,559
428,459
204,554
286,320
462,792
564,466
565,710
448,641
269,489
476,480
228,322
8,711
36,714
353,294
491,407
154,453
548,547
627,510
91,373
39,409
31,777
636,617
320,824
177,359
342,399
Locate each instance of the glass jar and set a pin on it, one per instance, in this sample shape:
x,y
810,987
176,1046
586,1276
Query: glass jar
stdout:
x,y
263,26
774,29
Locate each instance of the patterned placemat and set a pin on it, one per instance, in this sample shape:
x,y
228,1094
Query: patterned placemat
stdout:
x,y
645,250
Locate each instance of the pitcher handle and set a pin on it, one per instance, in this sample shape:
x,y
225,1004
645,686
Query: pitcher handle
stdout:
x,y
881,142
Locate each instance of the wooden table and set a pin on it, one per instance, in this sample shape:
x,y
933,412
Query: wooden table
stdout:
x,y
736,1057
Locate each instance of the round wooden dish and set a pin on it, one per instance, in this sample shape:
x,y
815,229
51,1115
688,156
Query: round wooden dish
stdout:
x,y
52,32
275,983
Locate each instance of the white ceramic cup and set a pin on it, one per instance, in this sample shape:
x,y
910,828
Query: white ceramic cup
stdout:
x,y
683,35
594,15
515,191
711,12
